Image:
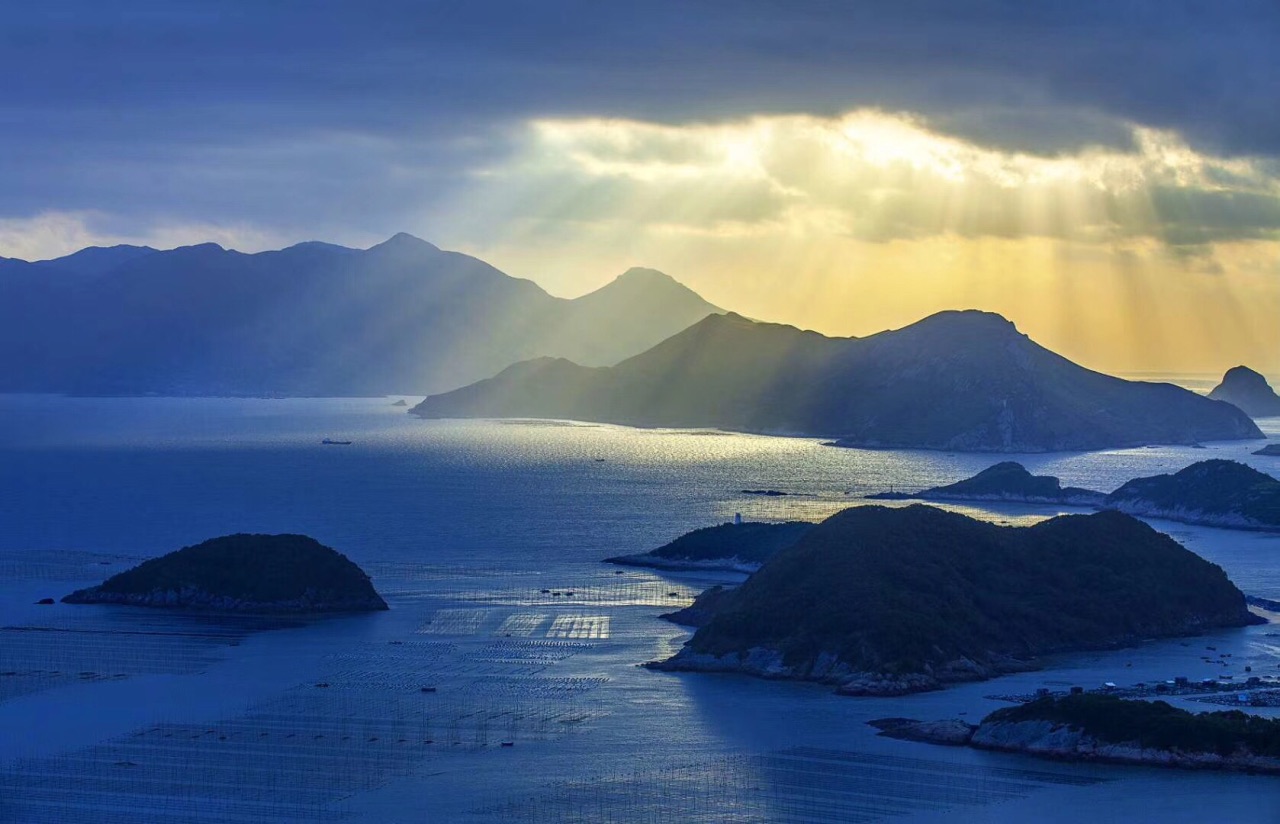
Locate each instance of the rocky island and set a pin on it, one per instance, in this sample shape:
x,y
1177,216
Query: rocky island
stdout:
x,y
1214,493
956,381
1114,730
243,573
886,601
1248,390
1010,482
1271,449
731,547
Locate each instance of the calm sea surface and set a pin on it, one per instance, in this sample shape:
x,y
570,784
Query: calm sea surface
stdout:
x,y
476,532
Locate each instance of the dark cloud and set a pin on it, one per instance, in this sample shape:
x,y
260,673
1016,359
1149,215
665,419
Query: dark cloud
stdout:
x,y
241,109
1194,217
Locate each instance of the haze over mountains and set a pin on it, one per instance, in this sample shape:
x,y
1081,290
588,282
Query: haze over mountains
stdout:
x,y
312,319
964,381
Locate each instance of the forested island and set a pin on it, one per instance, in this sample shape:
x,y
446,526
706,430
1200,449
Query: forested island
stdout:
x,y
735,547
878,600
1214,493
243,573
1010,482
1096,727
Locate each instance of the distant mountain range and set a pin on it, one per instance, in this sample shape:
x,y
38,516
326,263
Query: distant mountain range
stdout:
x,y
965,381
312,319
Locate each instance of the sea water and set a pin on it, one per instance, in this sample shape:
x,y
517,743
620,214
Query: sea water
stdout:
x,y
503,684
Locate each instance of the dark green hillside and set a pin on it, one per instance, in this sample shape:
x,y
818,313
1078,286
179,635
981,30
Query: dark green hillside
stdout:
x,y
747,541
1010,480
746,544
1216,491
1151,724
245,573
914,589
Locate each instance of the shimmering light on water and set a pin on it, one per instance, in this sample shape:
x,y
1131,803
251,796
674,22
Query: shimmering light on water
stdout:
x,y
486,539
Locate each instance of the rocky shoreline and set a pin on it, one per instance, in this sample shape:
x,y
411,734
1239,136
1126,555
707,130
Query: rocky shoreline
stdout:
x,y
826,668
242,573
1081,500
651,561
1196,517
197,600
1062,742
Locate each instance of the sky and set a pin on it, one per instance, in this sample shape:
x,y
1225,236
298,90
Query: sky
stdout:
x,y
1105,174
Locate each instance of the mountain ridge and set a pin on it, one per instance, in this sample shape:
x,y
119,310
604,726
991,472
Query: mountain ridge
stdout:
x,y
957,380
309,319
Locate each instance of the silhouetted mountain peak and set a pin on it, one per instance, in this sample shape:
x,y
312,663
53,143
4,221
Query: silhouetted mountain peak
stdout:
x,y
730,326
1249,391
97,260
641,284
968,321
197,251
403,242
317,246
1243,374
640,274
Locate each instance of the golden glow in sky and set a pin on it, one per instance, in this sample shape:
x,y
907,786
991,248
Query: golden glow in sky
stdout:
x,y
1154,257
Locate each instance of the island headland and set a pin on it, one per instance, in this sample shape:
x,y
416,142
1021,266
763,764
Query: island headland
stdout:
x,y
1103,728
1008,482
1220,493
730,547
1213,493
887,601
957,381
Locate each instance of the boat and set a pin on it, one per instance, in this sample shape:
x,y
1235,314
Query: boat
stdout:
x,y
332,442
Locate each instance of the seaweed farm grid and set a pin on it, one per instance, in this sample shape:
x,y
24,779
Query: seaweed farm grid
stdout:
x,y
474,677
480,673
298,757
794,786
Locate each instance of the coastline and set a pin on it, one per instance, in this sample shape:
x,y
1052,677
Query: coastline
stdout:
x,y
649,561
1060,742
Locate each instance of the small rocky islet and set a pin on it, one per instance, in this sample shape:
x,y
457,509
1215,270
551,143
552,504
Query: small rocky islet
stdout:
x,y
1005,482
243,573
1214,492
